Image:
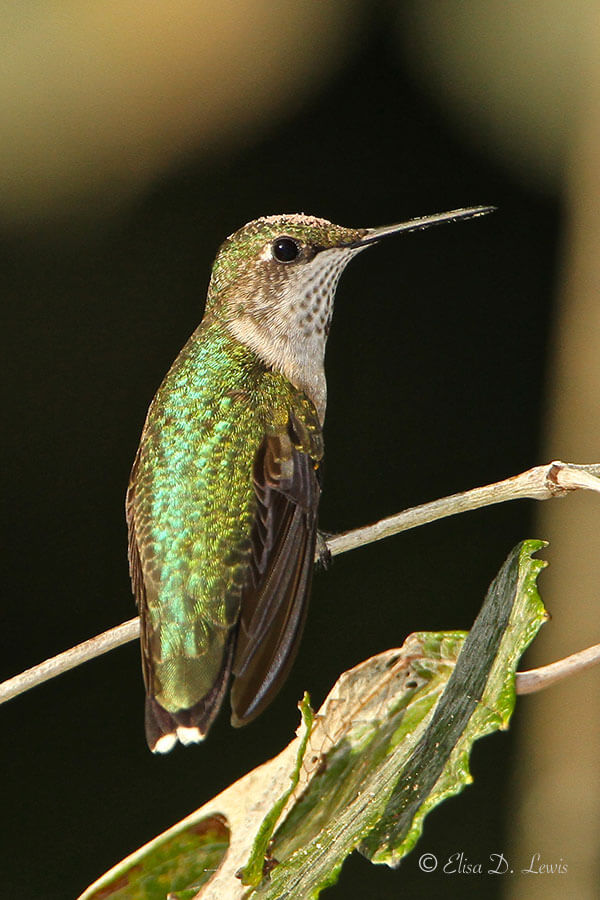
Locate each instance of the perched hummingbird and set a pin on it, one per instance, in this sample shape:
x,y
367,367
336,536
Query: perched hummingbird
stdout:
x,y
223,495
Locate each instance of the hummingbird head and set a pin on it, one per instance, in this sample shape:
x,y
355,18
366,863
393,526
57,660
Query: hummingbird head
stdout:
x,y
273,284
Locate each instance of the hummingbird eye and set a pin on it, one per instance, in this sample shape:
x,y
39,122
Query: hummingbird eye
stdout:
x,y
285,249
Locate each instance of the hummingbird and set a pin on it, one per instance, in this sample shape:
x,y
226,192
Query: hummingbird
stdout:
x,y
223,495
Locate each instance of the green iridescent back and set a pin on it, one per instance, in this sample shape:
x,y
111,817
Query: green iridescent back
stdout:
x,y
192,504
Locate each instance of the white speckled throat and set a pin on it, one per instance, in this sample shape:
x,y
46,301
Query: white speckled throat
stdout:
x,y
289,331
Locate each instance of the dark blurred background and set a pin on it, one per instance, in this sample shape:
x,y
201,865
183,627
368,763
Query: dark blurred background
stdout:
x,y
437,367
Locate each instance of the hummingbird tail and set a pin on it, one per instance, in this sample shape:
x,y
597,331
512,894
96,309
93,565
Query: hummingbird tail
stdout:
x,y
188,726
163,729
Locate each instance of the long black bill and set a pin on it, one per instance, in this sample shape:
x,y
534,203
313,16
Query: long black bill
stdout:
x,y
375,234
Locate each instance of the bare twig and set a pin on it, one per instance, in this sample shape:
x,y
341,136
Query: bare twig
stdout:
x,y
69,659
538,679
550,480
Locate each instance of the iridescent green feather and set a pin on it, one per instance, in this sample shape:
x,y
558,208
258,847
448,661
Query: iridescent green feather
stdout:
x,y
192,504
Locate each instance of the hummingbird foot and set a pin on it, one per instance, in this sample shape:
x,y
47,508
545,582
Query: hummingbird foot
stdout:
x,y
322,551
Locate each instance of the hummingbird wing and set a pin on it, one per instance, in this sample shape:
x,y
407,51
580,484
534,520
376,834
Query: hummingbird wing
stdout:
x,y
275,601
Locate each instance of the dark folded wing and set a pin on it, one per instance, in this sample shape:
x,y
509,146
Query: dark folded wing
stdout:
x,y
275,599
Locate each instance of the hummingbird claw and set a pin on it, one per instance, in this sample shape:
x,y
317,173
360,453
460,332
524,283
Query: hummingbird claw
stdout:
x,y
322,551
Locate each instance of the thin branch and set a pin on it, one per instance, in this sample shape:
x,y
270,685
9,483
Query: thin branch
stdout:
x,y
541,483
537,679
551,480
69,659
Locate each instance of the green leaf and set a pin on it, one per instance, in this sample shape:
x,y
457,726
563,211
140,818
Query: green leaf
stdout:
x,y
378,782
253,871
176,864
480,698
